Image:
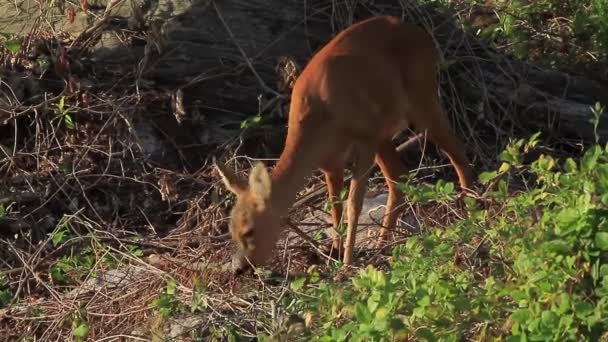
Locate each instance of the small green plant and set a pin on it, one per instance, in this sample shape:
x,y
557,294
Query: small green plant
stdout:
x,y
327,205
64,114
199,295
167,304
135,250
252,122
80,328
224,333
255,121
60,235
441,192
341,198
10,42
73,267
5,291
78,263
5,210
597,111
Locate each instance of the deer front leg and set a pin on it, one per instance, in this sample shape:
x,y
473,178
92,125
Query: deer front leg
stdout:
x,y
334,177
358,187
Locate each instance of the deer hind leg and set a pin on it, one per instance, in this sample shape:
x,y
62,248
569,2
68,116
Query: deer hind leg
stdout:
x,y
440,133
358,187
334,178
392,168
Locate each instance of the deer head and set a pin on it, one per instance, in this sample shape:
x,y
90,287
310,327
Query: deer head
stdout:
x,y
254,225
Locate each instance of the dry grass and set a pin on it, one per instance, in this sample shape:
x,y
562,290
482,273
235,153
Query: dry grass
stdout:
x,y
142,224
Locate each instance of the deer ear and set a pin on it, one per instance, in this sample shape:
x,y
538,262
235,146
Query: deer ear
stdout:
x,y
230,179
260,182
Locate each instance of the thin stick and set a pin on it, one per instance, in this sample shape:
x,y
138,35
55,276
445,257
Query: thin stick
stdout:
x,y
247,60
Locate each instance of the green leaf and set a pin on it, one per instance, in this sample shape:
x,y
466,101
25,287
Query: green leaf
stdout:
x,y
373,301
10,42
564,303
583,309
81,331
13,45
59,237
570,165
486,177
545,163
549,319
171,286
520,316
424,301
362,313
534,139
343,194
504,167
590,158
136,251
297,284
601,240
69,122
426,334
568,216
253,121
557,247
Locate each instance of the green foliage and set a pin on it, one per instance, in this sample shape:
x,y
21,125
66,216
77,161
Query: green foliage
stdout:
x,y
533,267
598,23
256,121
61,234
327,205
64,114
167,303
80,328
135,250
5,291
81,331
597,111
81,259
549,31
73,267
199,296
10,42
252,122
442,192
6,210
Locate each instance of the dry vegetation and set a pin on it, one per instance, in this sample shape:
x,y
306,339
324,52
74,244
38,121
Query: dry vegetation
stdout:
x,y
98,241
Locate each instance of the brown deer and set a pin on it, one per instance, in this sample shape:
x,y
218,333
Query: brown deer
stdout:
x,y
372,80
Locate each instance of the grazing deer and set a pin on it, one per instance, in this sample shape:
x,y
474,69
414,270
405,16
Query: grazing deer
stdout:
x,y
372,80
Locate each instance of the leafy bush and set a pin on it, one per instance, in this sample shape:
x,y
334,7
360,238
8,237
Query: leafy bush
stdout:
x,y
529,267
550,31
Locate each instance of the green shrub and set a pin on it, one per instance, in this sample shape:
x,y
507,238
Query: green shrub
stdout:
x,y
530,267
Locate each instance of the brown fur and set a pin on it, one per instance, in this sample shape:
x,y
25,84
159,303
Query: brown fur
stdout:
x,y
372,80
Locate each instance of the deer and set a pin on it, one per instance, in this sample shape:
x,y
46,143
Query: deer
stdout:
x,y
372,80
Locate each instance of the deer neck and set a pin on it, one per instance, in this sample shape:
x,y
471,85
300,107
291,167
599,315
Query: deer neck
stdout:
x,y
297,162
